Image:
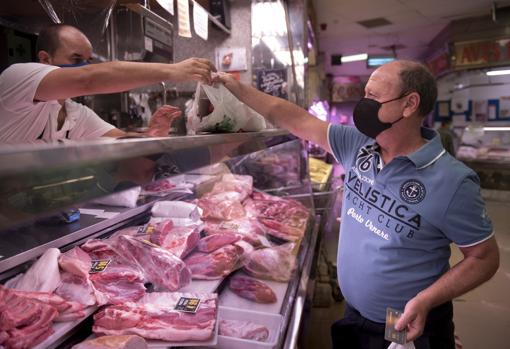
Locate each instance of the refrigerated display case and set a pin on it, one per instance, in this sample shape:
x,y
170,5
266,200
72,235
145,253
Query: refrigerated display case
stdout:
x,y
42,182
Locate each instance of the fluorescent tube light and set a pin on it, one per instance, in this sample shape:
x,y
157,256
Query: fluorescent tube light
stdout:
x,y
354,58
498,72
495,128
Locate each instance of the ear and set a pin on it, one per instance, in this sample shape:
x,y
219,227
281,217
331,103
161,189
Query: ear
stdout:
x,y
412,104
44,57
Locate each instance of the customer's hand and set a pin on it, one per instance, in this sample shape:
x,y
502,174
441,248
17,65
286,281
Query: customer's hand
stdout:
x,y
413,319
161,120
196,69
229,81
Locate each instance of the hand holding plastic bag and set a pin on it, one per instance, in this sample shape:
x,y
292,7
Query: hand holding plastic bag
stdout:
x,y
229,114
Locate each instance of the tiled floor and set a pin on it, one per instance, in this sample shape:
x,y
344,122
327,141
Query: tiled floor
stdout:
x,y
482,316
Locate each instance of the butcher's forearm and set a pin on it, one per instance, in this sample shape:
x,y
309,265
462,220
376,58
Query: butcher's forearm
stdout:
x,y
463,277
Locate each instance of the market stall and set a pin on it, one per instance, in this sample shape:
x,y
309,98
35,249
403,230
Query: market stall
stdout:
x,y
215,241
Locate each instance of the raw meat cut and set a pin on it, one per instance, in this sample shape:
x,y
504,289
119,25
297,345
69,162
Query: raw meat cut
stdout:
x,y
213,242
24,322
76,288
246,249
98,249
224,201
243,329
214,265
67,310
225,206
75,261
114,342
43,275
252,289
155,317
251,230
160,267
273,263
118,284
178,240
284,218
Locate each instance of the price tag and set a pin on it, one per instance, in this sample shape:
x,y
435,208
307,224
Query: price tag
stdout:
x,y
229,226
99,265
146,229
188,305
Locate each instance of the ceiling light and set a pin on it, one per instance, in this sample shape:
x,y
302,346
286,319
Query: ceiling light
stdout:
x,y
355,58
498,72
495,128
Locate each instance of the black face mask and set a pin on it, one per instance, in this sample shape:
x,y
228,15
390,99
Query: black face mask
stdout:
x,y
366,117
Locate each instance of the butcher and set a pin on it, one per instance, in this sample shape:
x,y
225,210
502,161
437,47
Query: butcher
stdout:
x,y
35,98
405,201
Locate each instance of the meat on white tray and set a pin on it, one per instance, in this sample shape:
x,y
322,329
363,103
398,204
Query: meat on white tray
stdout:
x,y
252,289
273,263
114,342
155,317
214,265
244,330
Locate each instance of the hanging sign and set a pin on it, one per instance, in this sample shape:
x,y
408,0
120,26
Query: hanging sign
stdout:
x,y
168,5
200,21
183,17
479,54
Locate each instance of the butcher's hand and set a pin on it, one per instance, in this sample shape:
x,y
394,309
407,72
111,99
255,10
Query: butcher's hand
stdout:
x,y
230,82
413,319
161,120
196,69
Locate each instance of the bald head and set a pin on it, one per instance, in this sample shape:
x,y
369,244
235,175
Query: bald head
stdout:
x,y
410,76
63,44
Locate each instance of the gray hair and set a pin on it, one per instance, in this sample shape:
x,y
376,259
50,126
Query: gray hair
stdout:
x,y
416,77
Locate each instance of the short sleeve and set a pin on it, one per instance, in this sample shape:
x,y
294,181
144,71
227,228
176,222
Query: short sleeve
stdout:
x,y
466,222
88,124
345,141
19,82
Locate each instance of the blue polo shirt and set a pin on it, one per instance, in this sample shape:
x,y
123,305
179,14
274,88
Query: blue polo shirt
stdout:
x,y
399,219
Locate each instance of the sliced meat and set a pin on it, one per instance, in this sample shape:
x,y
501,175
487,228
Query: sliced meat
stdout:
x,y
114,342
252,289
224,206
160,267
76,288
274,263
214,265
155,317
98,249
243,329
118,284
178,240
75,261
213,242
250,230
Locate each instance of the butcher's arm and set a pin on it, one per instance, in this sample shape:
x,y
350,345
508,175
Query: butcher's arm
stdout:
x,y
280,112
479,264
112,77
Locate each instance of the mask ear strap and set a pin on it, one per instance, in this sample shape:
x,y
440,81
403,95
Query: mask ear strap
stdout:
x,y
394,122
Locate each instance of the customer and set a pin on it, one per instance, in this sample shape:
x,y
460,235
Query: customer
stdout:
x,y
405,201
35,99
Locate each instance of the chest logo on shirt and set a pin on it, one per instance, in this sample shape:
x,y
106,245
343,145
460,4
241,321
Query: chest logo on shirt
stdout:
x,y
412,191
364,160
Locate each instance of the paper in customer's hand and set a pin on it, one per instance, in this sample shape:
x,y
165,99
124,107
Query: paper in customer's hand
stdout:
x,y
390,333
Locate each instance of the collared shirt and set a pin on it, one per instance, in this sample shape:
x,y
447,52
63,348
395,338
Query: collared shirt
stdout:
x,y
398,219
23,120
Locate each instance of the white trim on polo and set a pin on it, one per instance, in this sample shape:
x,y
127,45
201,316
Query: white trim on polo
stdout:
x,y
478,242
433,160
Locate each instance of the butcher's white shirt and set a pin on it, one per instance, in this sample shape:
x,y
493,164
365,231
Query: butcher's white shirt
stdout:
x,y
22,120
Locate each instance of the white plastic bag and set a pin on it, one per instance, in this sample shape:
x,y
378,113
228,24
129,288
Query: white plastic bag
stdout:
x,y
229,114
126,198
408,345
176,209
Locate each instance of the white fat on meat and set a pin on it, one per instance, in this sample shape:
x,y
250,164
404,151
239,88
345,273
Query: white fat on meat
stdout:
x,y
76,288
75,261
243,329
274,263
155,317
114,342
43,275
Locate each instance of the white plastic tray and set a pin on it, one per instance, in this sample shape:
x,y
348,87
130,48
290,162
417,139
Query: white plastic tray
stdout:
x,y
230,299
273,323
61,328
206,286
